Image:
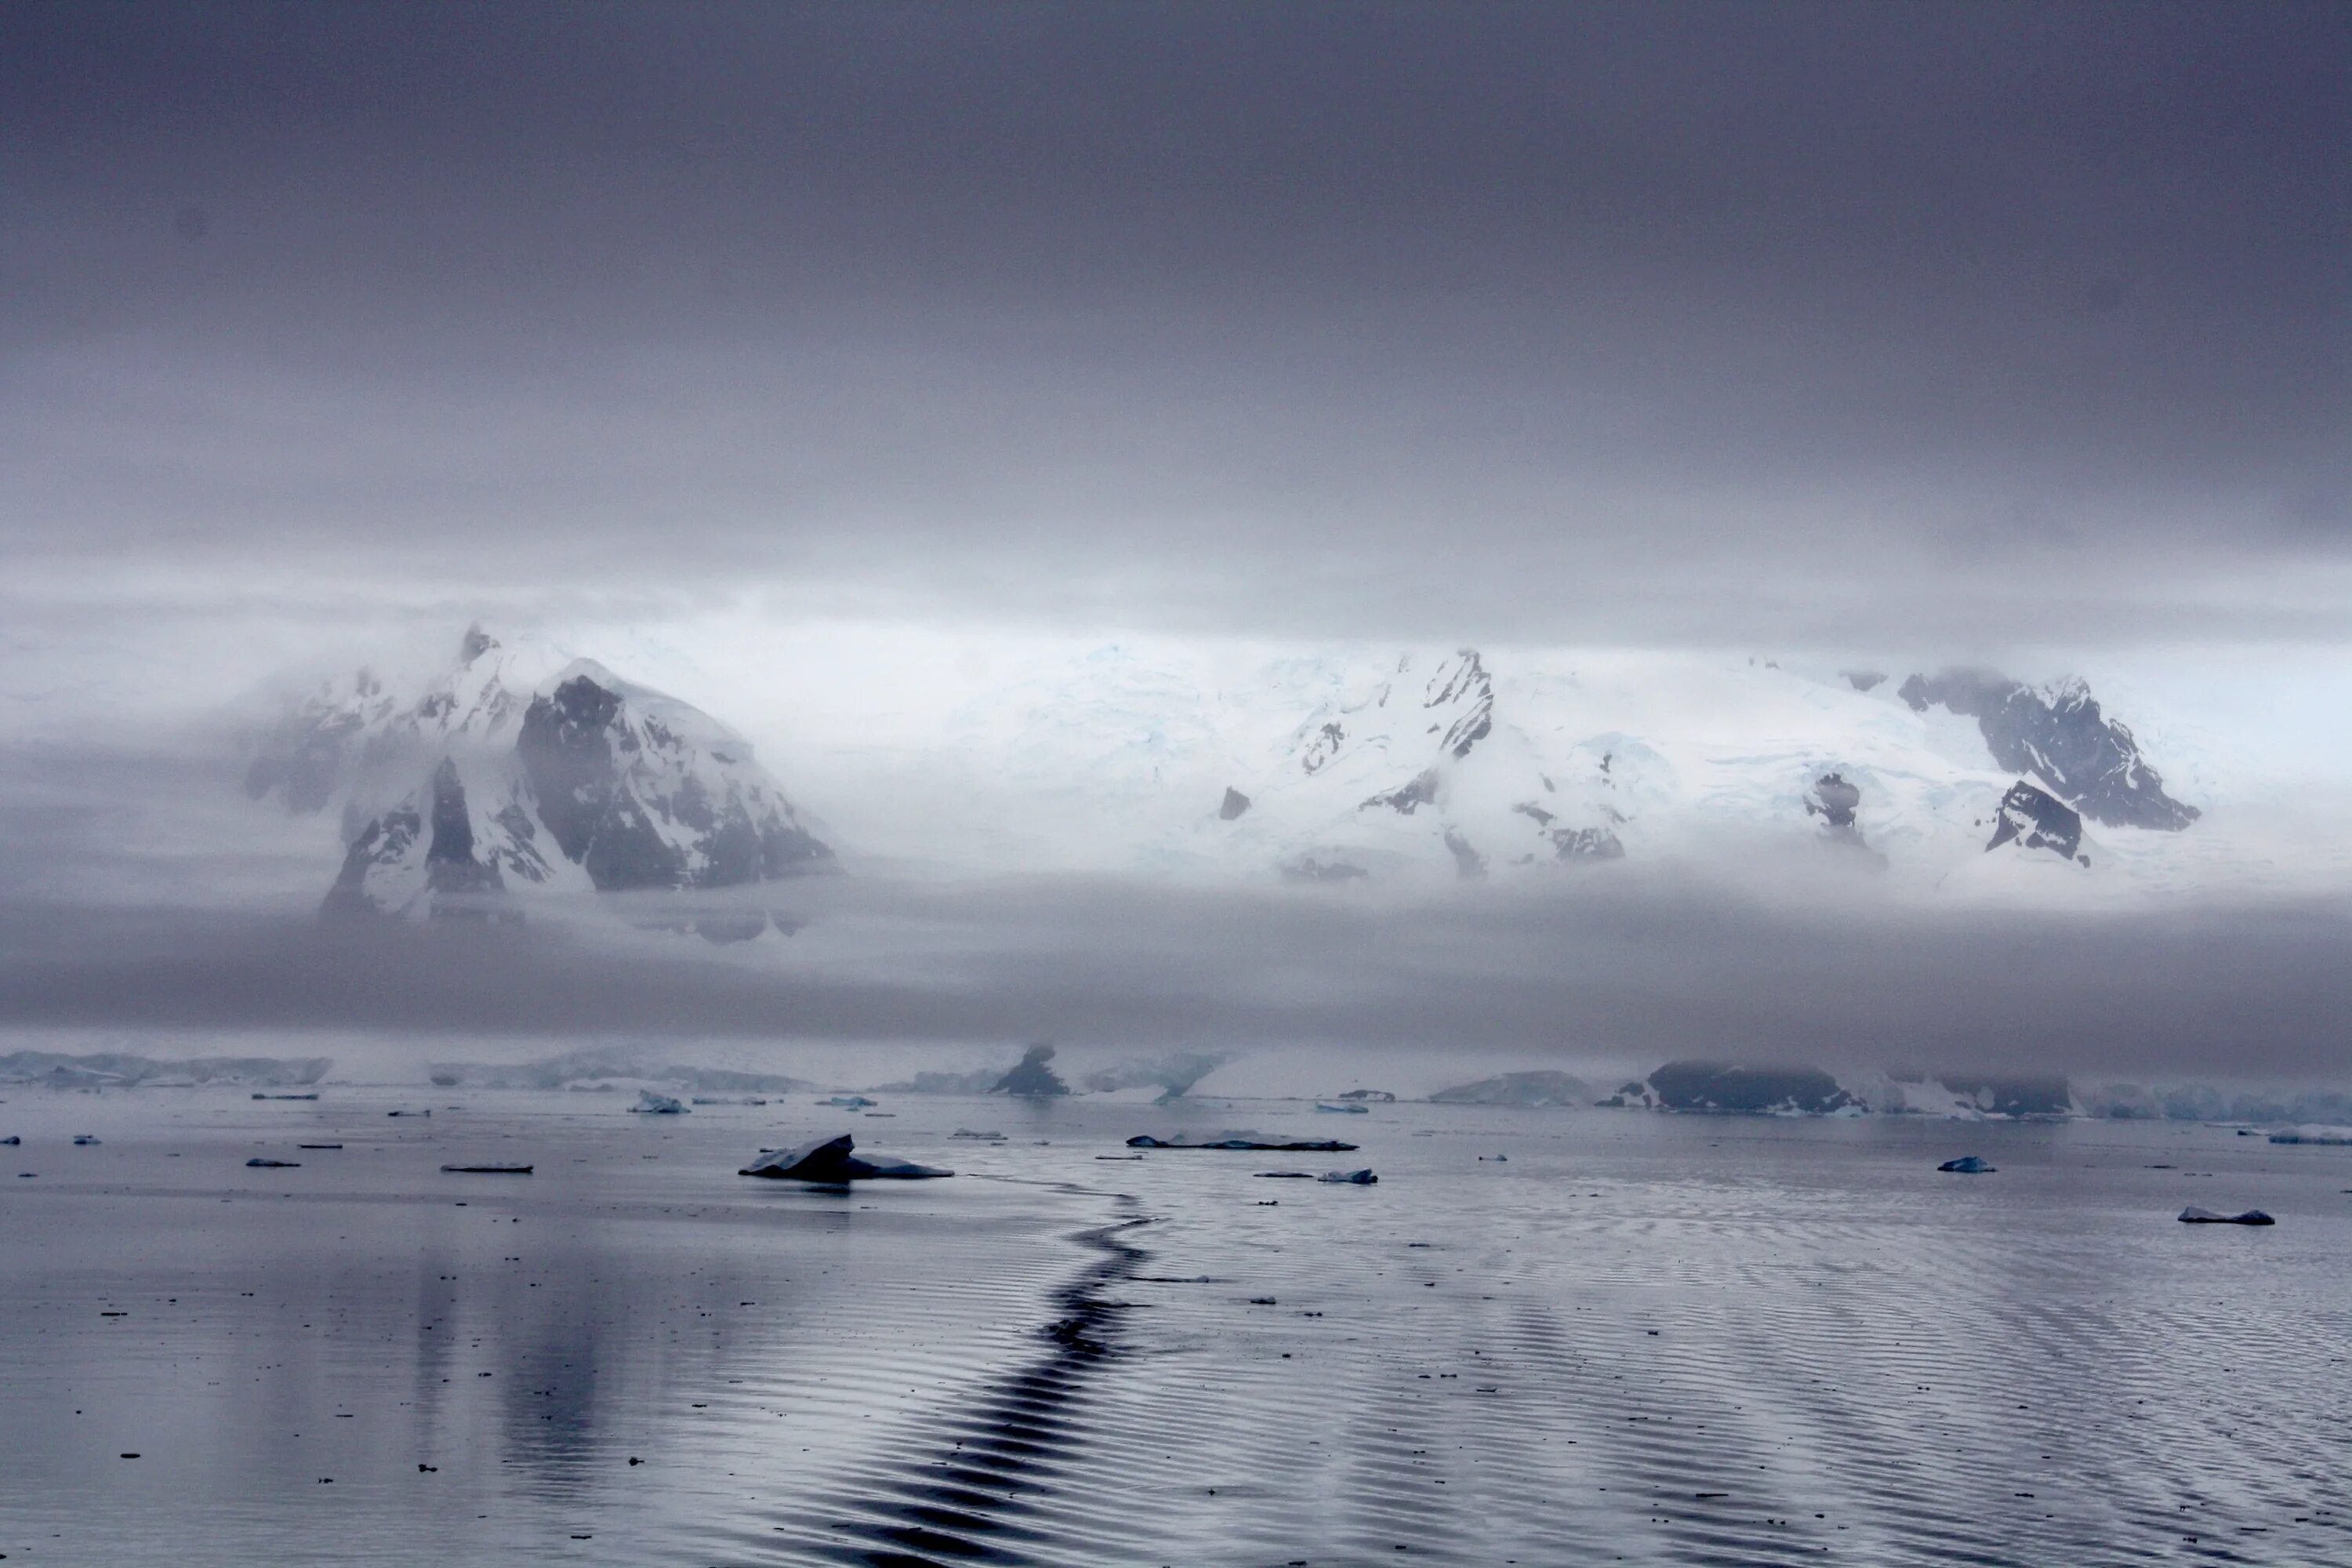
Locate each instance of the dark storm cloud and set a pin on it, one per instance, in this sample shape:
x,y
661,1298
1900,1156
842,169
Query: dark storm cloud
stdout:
x,y
1652,321
1642,969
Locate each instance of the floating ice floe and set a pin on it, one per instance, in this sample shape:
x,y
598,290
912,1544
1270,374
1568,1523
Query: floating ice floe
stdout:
x,y
1340,1109
831,1160
2332,1135
849,1102
980,1137
1245,1141
1967,1166
651,1104
258,1163
1349,1178
2193,1214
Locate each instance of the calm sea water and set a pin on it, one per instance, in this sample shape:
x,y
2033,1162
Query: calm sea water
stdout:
x,y
1544,1337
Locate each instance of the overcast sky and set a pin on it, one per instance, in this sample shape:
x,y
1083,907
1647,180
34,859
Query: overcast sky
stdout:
x,y
1647,322
1923,331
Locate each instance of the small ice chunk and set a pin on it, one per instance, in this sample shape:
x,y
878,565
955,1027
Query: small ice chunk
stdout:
x,y
1245,1141
258,1163
1349,1178
490,1170
1967,1166
981,1137
85,1139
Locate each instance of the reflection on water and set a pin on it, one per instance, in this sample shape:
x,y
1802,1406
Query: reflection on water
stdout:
x,y
1660,1339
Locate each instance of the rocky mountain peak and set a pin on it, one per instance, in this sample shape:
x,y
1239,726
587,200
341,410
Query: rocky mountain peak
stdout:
x,y
517,772
2032,818
2058,734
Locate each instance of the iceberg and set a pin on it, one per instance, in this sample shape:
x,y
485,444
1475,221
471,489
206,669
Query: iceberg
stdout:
x,y
1967,1166
849,1102
651,1104
1349,1178
830,1160
1526,1089
1341,1110
2193,1214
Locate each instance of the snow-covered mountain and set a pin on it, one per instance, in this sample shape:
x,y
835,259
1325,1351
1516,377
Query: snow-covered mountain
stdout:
x,y
1444,763
520,773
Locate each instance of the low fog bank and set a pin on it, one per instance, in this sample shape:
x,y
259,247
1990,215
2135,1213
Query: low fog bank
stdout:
x,y
1632,971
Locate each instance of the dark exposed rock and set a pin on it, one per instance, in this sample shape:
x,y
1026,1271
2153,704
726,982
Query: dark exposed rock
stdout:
x,y
1032,1077
1463,678
1535,813
1586,844
1864,679
1835,801
575,751
567,752
1467,861
1236,803
2060,734
1322,747
1404,798
1532,1089
1724,1086
450,868
2032,818
383,841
